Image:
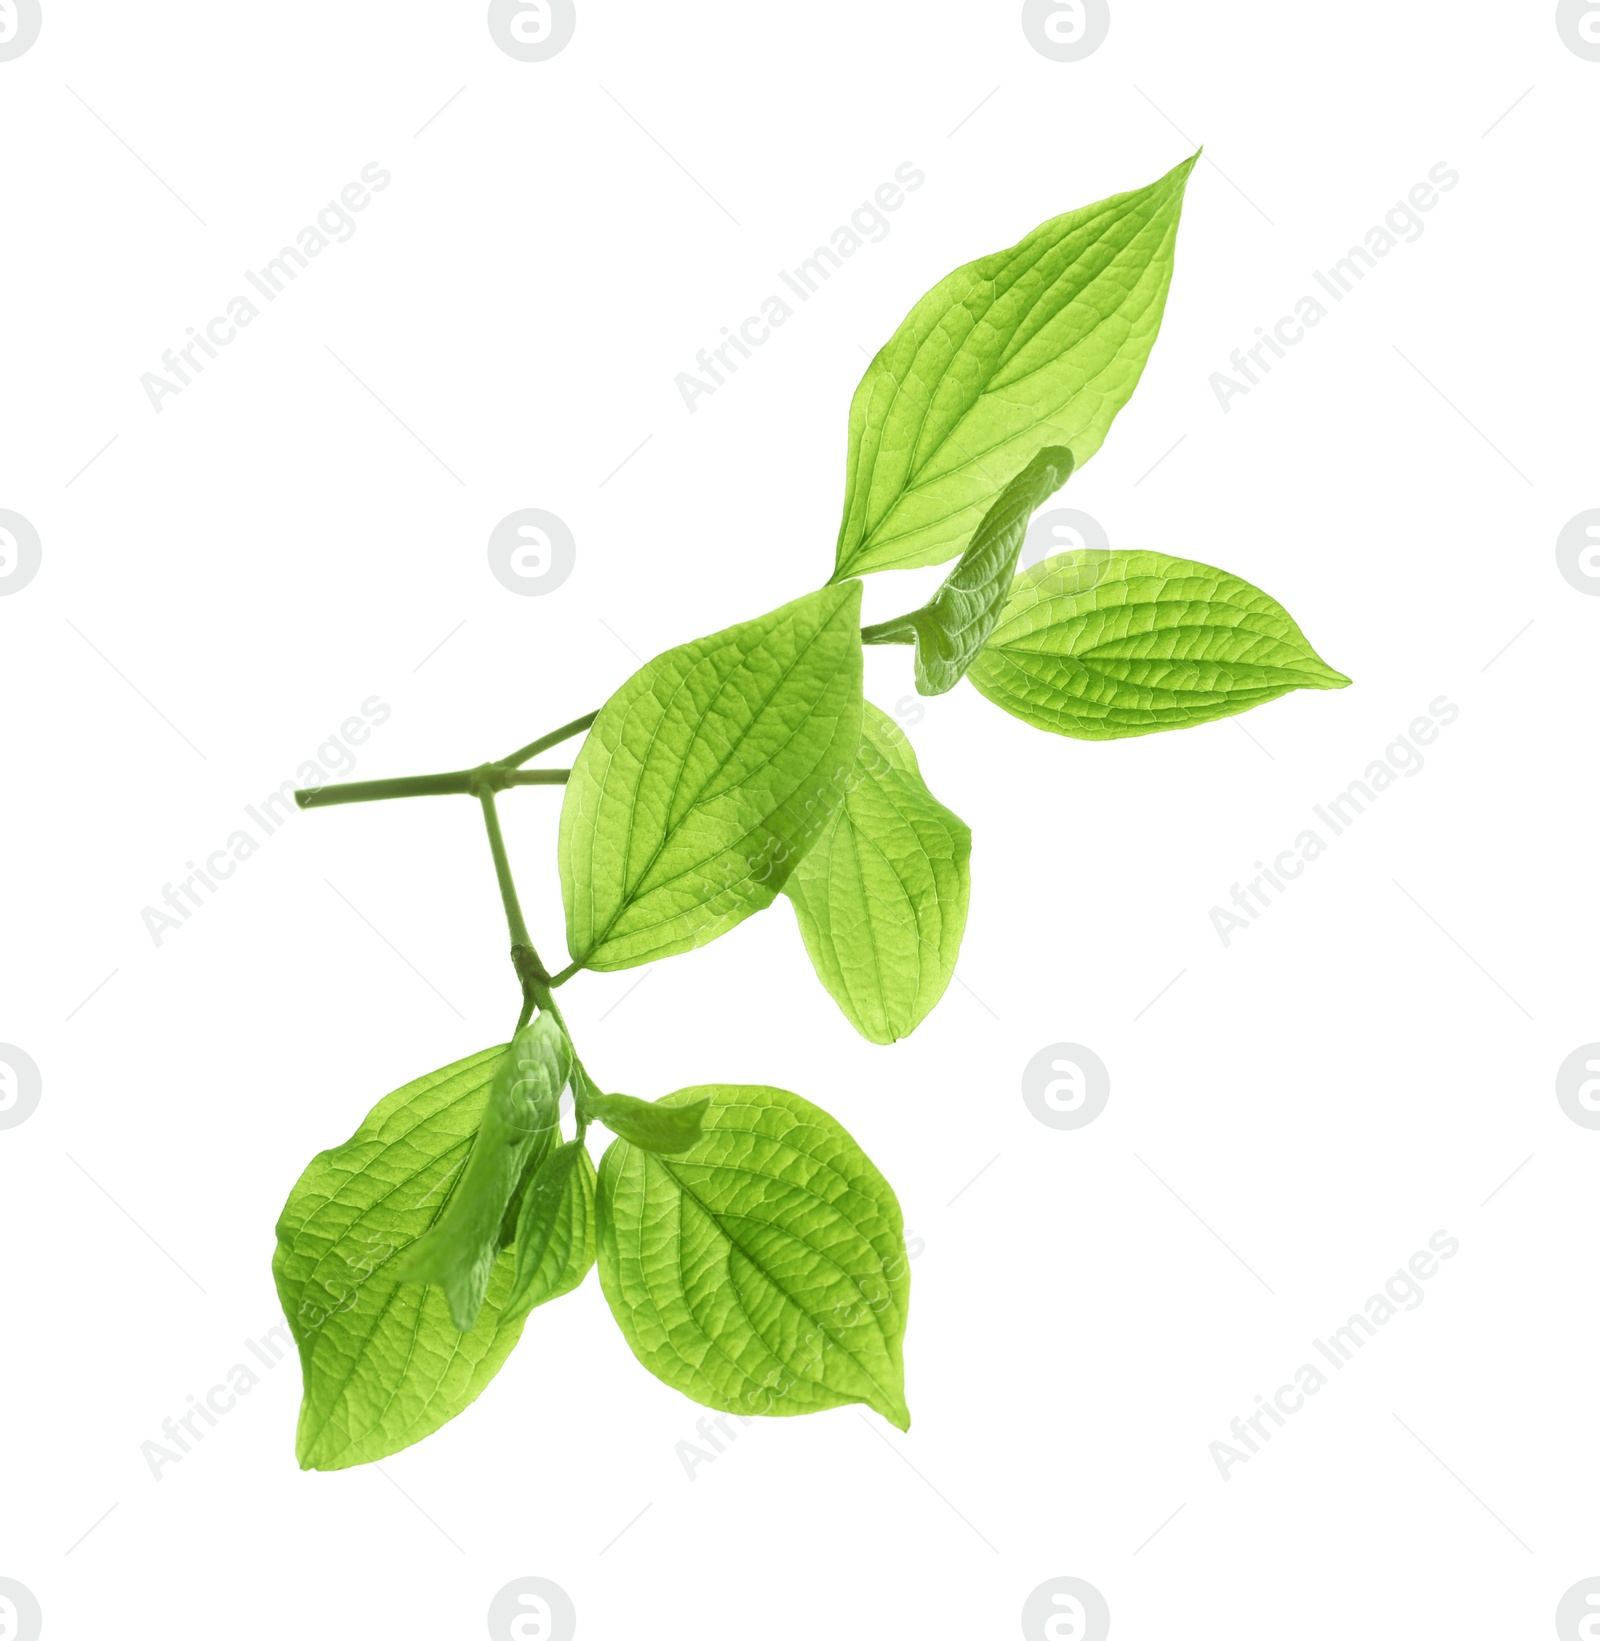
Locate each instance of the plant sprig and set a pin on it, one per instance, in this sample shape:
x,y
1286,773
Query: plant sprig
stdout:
x,y
750,1252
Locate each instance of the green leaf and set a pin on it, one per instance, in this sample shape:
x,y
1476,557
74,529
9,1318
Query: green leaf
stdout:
x,y
955,623
763,1272
1100,646
706,778
1038,345
649,1123
383,1363
520,1123
882,898
555,1234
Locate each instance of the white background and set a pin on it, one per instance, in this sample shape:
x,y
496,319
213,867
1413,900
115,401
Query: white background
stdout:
x,y
232,577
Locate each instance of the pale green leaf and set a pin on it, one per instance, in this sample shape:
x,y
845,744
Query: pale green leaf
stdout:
x,y
763,1272
706,778
382,1361
649,1123
882,898
955,623
520,1124
1100,646
556,1230
1041,344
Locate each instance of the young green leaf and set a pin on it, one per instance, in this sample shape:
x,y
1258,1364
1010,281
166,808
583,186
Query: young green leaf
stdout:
x,y
520,1123
706,778
383,1363
1114,644
955,623
763,1272
882,898
1038,345
555,1234
648,1123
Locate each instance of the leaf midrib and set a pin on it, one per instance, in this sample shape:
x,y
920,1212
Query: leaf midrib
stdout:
x,y
870,537
631,897
718,1219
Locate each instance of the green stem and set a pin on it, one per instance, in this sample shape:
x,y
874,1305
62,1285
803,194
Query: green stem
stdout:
x,y
502,872
407,786
545,742
483,783
531,973
493,776
535,978
532,777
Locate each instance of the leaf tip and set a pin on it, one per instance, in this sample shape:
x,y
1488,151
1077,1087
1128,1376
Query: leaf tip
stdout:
x,y
694,1123
1327,677
1181,172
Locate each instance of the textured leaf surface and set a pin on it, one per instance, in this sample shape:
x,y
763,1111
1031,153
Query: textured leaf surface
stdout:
x,y
705,779
1041,344
882,898
520,1124
955,623
657,1127
383,1363
1100,646
556,1230
763,1272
